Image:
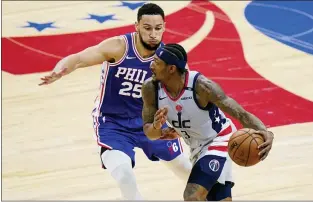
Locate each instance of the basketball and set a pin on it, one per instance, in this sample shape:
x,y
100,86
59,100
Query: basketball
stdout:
x,y
243,147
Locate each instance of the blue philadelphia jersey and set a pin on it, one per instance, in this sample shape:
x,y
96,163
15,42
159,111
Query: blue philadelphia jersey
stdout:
x,y
121,83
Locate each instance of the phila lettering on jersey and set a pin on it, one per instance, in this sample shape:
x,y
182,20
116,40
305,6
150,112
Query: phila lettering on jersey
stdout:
x,y
199,127
121,83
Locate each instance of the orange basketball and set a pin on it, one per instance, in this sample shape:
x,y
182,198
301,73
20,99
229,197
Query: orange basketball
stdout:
x,y
243,147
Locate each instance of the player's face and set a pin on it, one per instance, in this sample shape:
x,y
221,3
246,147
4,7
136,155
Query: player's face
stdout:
x,y
159,69
150,29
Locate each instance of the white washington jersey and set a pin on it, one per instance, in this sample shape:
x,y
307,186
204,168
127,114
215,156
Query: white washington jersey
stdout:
x,y
205,129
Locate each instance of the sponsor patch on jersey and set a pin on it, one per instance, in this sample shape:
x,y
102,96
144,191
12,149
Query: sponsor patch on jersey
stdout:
x,y
186,98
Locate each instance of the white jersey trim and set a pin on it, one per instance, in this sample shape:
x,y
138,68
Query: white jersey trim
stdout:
x,y
149,59
125,53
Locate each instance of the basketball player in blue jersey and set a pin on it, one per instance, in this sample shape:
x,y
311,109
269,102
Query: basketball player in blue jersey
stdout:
x,y
195,107
117,116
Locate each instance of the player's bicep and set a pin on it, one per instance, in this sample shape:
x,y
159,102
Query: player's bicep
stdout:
x,y
212,92
111,50
149,107
90,56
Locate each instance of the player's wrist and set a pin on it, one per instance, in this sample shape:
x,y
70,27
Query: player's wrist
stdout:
x,y
155,128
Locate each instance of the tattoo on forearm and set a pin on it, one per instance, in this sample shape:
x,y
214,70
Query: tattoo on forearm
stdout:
x,y
248,120
148,115
148,96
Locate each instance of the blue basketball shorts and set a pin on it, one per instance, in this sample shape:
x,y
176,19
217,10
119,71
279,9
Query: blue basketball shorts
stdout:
x,y
206,172
112,134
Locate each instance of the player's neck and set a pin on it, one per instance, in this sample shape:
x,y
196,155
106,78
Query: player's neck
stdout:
x,y
175,84
143,52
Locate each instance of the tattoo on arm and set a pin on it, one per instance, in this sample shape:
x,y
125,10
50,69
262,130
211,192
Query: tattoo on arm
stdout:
x,y
209,91
149,106
149,110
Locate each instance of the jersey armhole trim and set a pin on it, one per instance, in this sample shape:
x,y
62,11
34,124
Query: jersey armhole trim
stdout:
x,y
125,53
149,59
209,105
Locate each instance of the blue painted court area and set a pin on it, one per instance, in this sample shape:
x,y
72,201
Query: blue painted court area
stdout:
x,y
290,22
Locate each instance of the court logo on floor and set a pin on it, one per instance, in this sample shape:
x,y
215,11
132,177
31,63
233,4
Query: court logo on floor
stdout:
x,y
289,22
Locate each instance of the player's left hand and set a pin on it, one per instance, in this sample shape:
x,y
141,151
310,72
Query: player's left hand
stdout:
x,y
52,77
169,134
160,118
267,145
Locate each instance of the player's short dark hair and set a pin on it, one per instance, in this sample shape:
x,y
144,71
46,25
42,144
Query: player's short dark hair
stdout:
x,y
179,52
149,9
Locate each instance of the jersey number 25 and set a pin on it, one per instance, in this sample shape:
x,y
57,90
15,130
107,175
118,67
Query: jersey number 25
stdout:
x,y
131,89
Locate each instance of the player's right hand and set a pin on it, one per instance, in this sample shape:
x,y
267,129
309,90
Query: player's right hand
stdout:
x,y
267,145
51,78
160,118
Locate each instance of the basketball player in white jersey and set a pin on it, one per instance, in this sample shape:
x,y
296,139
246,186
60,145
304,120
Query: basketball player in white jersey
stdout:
x,y
117,115
194,106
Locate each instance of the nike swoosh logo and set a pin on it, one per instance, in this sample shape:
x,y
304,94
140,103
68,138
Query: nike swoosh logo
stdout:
x,y
127,57
162,98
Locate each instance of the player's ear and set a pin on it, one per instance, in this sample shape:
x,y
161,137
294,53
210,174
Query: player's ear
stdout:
x,y
172,68
137,26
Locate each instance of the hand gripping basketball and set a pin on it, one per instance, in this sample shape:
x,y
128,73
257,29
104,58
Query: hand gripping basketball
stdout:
x,y
267,145
160,118
247,147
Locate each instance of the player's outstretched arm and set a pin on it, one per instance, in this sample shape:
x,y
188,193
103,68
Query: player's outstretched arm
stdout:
x,y
209,91
111,50
153,118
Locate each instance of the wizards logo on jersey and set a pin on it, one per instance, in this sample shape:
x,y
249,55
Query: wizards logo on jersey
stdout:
x,y
180,123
